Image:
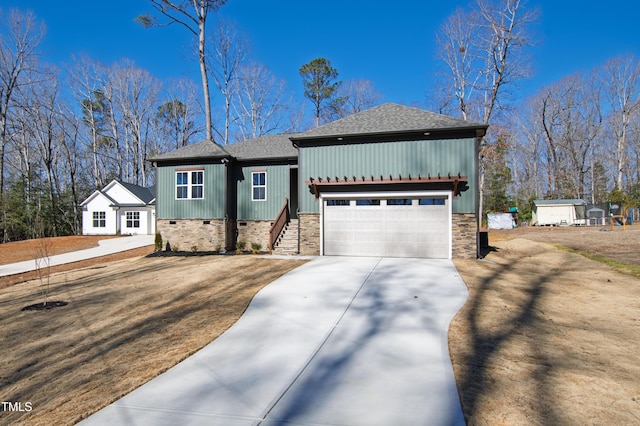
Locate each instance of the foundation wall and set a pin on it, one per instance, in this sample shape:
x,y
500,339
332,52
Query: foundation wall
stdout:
x,y
192,234
254,231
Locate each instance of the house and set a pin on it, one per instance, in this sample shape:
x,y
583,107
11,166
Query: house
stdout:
x,y
389,181
559,213
119,208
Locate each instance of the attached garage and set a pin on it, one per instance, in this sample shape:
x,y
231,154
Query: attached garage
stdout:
x,y
401,224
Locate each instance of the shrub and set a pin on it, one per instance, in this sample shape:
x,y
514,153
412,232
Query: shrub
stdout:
x,y
240,245
158,242
255,248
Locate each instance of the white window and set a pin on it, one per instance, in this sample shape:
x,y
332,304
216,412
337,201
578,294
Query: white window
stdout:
x,y
190,184
258,186
99,219
133,219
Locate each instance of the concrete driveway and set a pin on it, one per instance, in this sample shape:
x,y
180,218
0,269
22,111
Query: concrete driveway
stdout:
x,y
338,341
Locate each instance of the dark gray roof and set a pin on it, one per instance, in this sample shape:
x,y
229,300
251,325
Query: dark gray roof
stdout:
x,y
389,118
264,147
204,149
145,194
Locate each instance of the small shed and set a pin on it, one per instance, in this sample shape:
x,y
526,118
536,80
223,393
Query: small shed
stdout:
x,y
595,216
559,213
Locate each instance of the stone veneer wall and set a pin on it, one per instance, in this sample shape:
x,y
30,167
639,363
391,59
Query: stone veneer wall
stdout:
x,y
254,231
309,234
188,233
464,236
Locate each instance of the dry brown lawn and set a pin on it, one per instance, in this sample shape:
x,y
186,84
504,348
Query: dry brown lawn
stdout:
x,y
549,337
126,322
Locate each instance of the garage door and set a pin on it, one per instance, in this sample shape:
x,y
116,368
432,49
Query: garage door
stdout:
x,y
399,226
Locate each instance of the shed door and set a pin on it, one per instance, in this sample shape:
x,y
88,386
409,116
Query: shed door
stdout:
x,y
399,226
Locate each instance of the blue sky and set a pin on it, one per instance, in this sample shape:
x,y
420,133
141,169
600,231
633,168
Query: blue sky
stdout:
x,y
390,43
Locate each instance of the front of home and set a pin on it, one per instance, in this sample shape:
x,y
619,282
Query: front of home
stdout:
x,y
119,208
389,181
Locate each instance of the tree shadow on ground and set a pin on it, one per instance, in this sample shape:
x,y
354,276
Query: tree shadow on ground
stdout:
x,y
489,332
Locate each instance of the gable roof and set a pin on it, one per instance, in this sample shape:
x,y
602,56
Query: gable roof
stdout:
x,y
264,147
386,119
146,195
204,149
95,194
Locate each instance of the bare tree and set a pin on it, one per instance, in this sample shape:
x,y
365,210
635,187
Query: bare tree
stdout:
x,y
262,101
176,118
230,51
192,15
20,37
357,95
484,51
457,53
86,78
621,77
135,96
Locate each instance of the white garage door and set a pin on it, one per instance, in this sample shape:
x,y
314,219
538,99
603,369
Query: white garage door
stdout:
x,y
398,226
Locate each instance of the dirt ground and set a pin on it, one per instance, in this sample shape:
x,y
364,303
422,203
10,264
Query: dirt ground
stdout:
x,y
30,249
548,336
126,322
27,250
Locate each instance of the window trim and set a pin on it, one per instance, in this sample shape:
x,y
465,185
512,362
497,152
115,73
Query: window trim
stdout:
x,y
135,223
100,218
189,185
254,186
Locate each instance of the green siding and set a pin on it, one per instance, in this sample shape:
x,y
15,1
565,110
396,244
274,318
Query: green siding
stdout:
x,y
210,207
277,189
390,158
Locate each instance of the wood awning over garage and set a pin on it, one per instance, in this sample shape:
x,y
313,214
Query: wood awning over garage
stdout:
x,y
317,184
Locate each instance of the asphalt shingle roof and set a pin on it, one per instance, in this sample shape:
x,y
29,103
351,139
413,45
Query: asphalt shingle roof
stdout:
x,y
204,149
144,194
389,118
268,146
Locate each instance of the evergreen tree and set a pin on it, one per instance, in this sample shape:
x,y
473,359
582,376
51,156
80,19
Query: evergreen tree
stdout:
x,y
320,86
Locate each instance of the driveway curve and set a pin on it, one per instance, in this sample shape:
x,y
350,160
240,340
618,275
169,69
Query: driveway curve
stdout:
x,y
338,341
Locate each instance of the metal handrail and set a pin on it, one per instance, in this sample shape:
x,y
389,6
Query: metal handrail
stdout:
x,y
278,225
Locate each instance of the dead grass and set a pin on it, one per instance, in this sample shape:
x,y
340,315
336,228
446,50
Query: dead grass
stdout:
x,y
126,322
548,336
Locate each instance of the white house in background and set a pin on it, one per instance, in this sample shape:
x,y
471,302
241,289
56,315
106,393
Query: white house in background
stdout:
x,y
559,213
119,208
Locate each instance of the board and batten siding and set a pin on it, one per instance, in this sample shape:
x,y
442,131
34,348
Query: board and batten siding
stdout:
x,y
391,158
209,207
278,178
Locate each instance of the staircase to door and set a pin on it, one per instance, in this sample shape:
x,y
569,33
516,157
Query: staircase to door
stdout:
x,y
287,242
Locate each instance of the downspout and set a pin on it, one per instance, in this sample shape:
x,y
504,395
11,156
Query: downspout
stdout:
x,y
479,135
298,195
298,215
227,239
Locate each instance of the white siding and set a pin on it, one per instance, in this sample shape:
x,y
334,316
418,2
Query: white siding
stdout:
x,y
99,204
